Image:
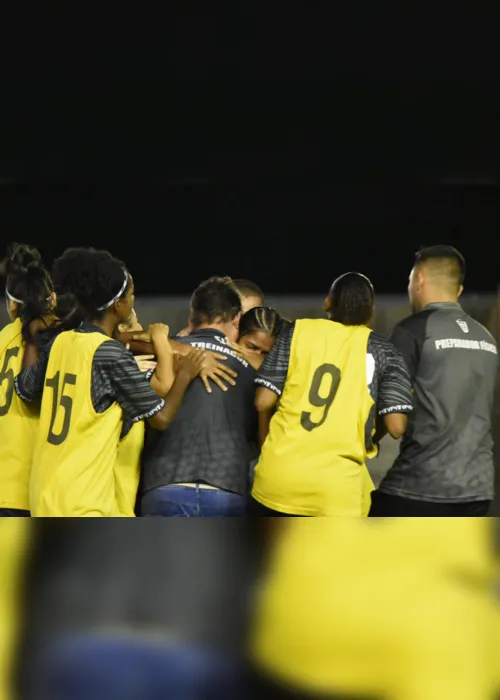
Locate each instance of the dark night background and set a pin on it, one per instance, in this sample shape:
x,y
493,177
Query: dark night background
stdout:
x,y
286,143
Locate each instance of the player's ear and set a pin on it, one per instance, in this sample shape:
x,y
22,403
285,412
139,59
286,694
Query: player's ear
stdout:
x,y
327,306
236,320
460,290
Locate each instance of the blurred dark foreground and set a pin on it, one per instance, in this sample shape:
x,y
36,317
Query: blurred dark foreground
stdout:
x,y
191,609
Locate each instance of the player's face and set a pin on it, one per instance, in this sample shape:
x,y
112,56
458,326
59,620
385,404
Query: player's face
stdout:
x,y
248,303
259,342
130,325
125,306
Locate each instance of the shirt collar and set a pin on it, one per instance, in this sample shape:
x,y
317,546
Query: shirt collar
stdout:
x,y
87,327
208,332
442,305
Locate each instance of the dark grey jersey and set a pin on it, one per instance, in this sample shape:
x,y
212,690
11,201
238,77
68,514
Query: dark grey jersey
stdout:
x,y
446,455
211,438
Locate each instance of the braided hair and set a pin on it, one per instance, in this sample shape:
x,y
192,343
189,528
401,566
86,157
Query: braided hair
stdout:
x,y
261,318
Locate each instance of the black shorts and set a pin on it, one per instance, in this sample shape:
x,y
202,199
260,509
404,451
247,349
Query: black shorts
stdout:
x,y
386,505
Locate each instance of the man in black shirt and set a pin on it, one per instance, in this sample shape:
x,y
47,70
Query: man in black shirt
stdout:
x,y
251,296
445,466
200,466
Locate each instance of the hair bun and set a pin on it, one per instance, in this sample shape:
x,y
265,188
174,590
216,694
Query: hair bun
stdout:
x,y
22,258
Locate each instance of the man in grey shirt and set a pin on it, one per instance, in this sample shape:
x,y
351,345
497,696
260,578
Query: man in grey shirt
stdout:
x,y
445,466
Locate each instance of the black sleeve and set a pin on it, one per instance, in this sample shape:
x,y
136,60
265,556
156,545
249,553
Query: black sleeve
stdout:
x,y
272,374
409,346
129,386
395,394
30,381
127,423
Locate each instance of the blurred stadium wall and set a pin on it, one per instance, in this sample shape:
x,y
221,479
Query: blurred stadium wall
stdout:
x,y
389,311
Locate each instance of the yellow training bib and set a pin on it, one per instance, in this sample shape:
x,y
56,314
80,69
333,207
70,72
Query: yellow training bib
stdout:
x,y
313,461
14,544
128,470
75,455
390,608
18,423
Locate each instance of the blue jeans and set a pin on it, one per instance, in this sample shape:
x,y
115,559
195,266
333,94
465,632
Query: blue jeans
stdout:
x,y
89,667
192,502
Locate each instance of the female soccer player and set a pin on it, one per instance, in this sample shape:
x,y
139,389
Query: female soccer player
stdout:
x,y
29,296
128,461
258,330
92,382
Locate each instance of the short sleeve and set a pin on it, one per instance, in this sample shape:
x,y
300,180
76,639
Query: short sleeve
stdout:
x,y
408,345
395,394
127,423
272,375
130,387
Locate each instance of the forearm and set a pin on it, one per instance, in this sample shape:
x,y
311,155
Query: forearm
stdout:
x,y
380,431
180,348
163,377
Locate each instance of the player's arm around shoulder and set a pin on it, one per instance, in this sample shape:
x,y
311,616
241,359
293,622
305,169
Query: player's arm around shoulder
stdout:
x,y
271,379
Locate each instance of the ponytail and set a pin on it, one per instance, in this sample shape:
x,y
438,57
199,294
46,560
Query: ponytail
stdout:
x,y
28,284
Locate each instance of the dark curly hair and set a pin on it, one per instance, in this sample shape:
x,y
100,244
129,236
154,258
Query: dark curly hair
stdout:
x,y
216,299
86,281
261,318
352,298
28,283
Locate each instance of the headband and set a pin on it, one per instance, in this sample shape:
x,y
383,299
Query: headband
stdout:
x,y
110,303
359,274
18,301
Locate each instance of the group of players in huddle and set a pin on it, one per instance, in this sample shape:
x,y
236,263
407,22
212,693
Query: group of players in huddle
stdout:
x,y
244,412
89,429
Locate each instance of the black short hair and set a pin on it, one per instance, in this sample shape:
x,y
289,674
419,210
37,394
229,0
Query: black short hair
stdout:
x,y
92,277
261,318
216,299
28,282
352,300
248,289
449,258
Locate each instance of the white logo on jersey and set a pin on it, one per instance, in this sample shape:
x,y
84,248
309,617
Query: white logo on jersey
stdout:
x,y
370,368
463,325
